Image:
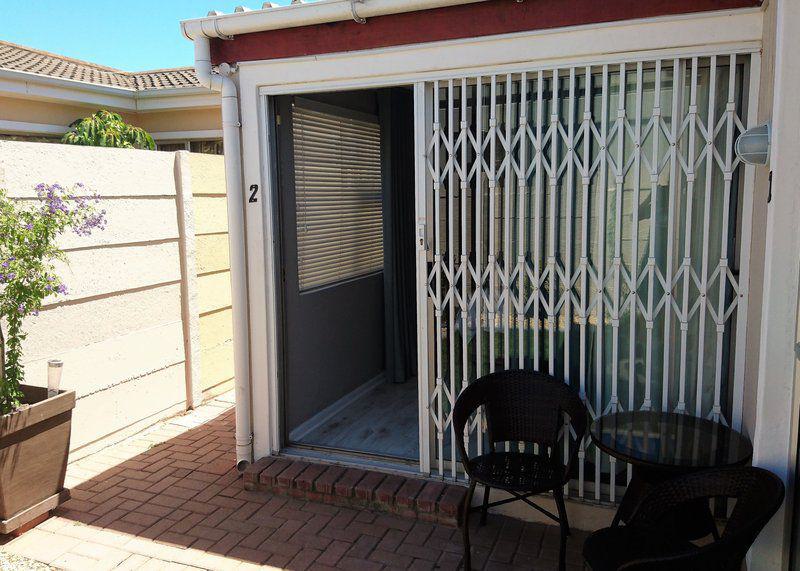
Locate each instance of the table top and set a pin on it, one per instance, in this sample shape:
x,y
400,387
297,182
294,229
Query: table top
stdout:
x,y
669,440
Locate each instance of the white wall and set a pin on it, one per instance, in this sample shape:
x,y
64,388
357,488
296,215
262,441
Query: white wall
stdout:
x,y
777,400
123,330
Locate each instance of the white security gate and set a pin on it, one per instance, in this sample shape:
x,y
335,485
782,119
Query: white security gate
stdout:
x,y
588,221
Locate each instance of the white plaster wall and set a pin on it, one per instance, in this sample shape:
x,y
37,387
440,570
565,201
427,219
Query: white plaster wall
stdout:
x,y
112,172
120,329
759,226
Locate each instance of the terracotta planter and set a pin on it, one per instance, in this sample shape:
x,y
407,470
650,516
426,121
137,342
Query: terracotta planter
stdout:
x,y
34,447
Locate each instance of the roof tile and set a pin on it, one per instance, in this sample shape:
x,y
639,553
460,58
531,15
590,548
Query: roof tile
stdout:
x,y
20,58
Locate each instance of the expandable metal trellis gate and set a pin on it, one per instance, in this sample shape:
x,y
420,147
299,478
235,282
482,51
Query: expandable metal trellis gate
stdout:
x,y
592,222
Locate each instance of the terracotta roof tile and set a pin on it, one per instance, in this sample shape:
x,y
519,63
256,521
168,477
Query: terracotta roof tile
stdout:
x,y
165,78
20,58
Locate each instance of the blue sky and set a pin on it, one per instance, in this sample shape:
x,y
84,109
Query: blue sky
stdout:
x,y
131,35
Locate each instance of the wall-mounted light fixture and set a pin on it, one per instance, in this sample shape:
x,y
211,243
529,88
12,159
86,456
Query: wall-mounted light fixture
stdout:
x,y
752,146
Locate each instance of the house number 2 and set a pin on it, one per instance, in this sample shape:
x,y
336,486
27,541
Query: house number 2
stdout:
x,y
253,192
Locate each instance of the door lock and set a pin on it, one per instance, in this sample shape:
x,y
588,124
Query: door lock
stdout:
x,y
421,236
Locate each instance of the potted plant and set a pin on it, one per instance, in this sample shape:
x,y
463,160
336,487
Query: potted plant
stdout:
x,y
34,427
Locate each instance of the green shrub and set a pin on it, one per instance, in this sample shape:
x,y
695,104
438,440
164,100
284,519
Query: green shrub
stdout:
x,y
107,129
28,251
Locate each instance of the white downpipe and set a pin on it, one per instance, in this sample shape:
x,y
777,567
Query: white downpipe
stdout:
x,y
231,136
295,15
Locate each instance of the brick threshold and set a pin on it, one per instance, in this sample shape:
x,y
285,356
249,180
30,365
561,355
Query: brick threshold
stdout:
x,y
416,498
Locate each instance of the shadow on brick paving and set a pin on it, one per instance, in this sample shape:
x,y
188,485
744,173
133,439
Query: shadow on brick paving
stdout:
x,y
173,495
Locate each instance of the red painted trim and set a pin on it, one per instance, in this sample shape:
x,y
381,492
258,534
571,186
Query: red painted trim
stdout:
x,y
463,21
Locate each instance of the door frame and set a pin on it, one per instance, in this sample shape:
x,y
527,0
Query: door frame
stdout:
x,y
273,211
284,106
423,95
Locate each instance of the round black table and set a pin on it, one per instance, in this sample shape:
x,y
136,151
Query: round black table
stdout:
x,y
663,445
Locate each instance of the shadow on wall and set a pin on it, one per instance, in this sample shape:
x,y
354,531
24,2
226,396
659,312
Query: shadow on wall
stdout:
x,y
146,327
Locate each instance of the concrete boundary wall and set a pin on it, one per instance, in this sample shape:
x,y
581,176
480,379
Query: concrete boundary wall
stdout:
x,y
145,330
207,180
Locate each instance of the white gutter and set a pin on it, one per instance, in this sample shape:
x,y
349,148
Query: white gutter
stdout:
x,y
295,15
19,83
25,127
186,135
15,83
236,242
39,79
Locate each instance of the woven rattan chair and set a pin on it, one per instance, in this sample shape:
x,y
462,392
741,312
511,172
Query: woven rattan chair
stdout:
x,y
519,407
649,541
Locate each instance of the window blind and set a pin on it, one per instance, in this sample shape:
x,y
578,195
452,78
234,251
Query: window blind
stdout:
x,y
337,167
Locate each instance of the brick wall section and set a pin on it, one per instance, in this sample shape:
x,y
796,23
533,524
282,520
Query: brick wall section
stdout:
x,y
410,497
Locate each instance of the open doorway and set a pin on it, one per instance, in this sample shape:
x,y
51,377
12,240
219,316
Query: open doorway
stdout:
x,y
346,190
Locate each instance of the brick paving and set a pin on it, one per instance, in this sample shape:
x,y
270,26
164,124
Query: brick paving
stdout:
x,y
170,498
411,496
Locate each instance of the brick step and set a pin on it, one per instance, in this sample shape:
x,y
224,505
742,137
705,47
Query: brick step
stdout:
x,y
426,500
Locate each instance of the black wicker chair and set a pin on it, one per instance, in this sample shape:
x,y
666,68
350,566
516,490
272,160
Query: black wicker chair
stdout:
x,y
519,407
650,542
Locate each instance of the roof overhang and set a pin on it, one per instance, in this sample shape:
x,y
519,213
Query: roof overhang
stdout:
x,y
337,26
31,85
175,98
43,88
303,14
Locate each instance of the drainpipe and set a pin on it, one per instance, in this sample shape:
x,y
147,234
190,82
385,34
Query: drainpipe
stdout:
x,y
231,135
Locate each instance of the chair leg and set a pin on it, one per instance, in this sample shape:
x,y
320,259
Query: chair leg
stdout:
x,y
558,494
465,525
485,510
562,508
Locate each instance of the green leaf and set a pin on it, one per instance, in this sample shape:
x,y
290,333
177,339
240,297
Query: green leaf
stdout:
x,y
107,129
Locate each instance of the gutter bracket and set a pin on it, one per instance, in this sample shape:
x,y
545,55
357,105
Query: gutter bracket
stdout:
x,y
220,35
356,17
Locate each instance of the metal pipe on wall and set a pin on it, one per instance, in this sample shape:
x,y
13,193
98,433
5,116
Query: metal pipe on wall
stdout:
x,y
231,135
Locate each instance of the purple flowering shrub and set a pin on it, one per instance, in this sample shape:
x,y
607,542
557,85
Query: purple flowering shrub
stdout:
x,y
28,252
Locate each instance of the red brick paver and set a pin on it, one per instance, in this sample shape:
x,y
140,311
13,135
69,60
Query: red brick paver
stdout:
x,y
170,498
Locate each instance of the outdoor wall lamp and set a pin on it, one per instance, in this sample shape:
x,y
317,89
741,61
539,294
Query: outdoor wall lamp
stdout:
x,y
752,146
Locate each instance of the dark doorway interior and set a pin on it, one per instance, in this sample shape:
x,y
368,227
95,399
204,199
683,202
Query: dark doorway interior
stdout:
x,y
346,190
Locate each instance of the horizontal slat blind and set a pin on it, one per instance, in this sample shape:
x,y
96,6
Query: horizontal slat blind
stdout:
x,y
337,169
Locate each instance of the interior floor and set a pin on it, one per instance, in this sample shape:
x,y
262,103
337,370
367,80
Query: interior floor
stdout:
x,y
383,420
